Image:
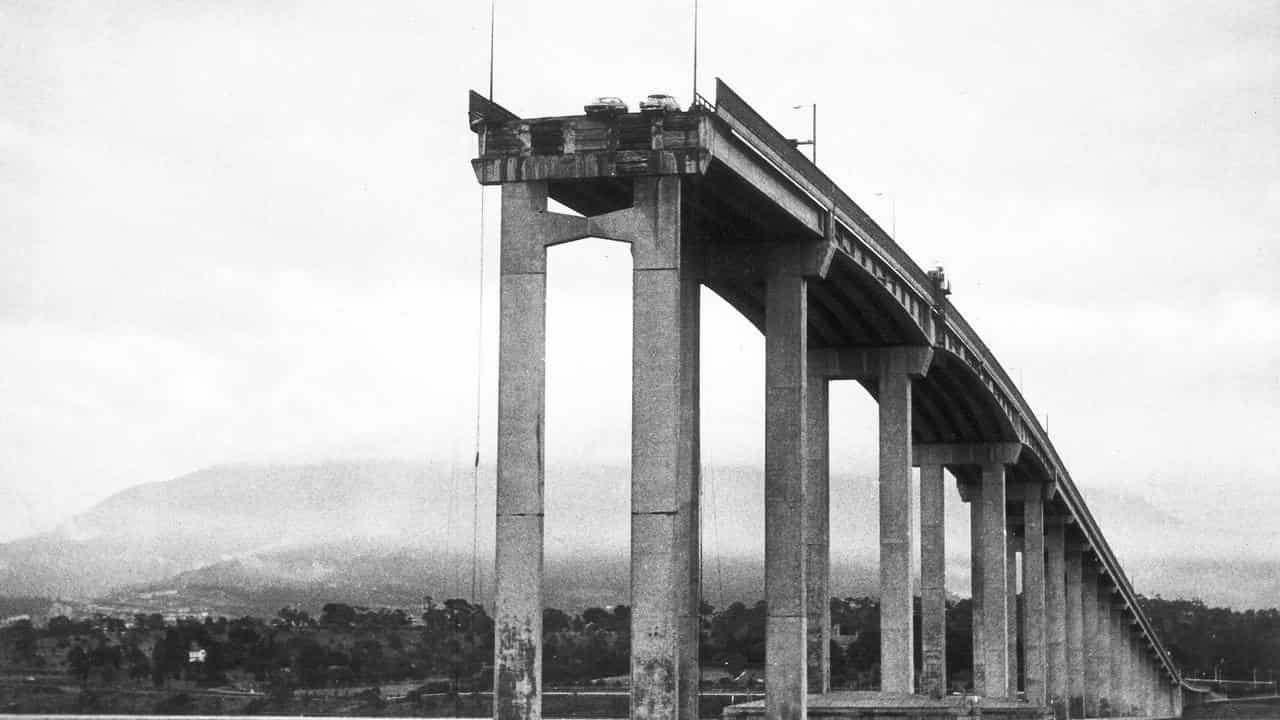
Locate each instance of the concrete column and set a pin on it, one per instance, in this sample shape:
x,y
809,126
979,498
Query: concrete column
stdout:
x,y
1144,696
1035,659
995,596
976,578
1119,654
817,530
1156,687
664,463
897,661
1144,707
1105,670
786,373
1115,628
1144,678
1074,607
1102,654
1148,684
1011,588
689,472
1089,607
1143,700
521,380
1055,616
933,591
1135,673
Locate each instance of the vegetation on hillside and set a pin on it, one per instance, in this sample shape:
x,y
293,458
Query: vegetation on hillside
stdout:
x,y
448,647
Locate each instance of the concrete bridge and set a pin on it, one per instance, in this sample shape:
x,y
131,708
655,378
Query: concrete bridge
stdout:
x,y
715,196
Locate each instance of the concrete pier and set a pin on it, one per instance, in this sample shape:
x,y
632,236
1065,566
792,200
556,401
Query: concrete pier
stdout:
x,y
976,578
987,510
817,529
521,409
1034,599
1102,653
1089,613
1075,631
897,665
664,460
1104,656
716,196
1014,544
1138,693
933,591
1055,616
786,375
995,595
1119,700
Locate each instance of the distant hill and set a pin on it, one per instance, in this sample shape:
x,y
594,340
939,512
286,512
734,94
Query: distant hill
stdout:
x,y
215,515
386,533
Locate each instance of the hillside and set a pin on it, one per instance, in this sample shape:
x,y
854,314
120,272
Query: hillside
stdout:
x,y
387,532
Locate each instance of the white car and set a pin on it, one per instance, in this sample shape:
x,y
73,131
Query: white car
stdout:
x,y
659,102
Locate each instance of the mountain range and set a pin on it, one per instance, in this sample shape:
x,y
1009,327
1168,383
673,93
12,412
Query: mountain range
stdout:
x,y
239,539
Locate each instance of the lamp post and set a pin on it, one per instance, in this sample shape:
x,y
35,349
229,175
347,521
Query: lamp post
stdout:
x,y
893,212
812,142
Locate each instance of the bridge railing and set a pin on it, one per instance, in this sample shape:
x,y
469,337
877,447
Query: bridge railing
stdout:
x,y
733,109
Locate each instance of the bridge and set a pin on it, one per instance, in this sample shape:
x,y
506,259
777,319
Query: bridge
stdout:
x,y
716,196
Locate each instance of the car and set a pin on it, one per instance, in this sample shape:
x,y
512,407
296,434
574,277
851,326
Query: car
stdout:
x,y
606,105
659,102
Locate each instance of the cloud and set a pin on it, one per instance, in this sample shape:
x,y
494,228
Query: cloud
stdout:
x,y
250,231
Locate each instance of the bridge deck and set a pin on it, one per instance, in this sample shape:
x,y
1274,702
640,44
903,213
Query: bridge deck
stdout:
x,y
742,182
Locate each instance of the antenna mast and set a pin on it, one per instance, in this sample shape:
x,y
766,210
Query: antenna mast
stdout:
x,y
492,4
695,54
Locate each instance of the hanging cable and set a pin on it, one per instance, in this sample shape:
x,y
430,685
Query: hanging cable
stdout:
x,y
475,466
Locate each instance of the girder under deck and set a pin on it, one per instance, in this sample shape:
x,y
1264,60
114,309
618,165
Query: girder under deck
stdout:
x,y
742,182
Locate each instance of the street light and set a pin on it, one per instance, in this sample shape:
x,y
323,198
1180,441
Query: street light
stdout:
x,y
812,142
893,212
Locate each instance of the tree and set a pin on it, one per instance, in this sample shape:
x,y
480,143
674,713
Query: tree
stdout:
x,y
78,663
337,615
554,621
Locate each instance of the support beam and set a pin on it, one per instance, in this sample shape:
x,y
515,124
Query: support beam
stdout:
x,y
1055,617
1103,656
689,470
976,454
1135,673
983,540
1075,632
664,459
1150,684
786,375
1119,704
976,579
1034,651
933,591
521,409
817,528
897,663
893,369
1089,608
995,596
1013,544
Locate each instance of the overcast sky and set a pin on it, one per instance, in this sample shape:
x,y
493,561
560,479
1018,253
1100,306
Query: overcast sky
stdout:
x,y
249,231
